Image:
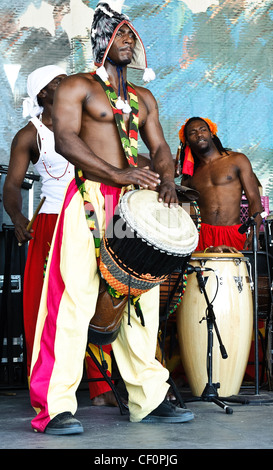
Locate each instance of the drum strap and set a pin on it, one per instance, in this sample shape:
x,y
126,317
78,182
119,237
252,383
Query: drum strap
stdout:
x,y
128,141
90,213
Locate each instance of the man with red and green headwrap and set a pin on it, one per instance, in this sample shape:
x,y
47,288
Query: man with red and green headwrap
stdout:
x,y
220,176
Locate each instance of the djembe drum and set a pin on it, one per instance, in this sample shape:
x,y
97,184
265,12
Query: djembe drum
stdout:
x,y
229,289
145,243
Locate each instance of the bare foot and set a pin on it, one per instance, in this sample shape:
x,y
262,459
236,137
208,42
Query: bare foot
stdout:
x,y
105,399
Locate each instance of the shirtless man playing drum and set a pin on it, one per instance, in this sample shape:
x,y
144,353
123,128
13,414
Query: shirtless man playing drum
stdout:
x,y
86,132
220,176
89,117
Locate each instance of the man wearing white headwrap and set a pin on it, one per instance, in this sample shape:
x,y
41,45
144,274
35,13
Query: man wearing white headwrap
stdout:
x,y
96,119
36,81
35,144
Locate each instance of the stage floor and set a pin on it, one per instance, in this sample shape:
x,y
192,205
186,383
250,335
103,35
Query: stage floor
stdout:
x,y
249,427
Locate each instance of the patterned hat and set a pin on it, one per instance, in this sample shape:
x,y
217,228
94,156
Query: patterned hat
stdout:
x,y
106,22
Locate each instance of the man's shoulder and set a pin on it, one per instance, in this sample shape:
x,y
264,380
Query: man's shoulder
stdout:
x,y
145,95
77,79
142,89
238,159
80,76
236,155
26,132
25,139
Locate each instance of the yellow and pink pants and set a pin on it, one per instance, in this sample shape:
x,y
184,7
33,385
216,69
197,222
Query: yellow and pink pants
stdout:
x,y
38,249
68,303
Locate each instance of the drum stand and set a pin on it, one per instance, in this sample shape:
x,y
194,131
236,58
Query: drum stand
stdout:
x,y
256,328
110,381
251,223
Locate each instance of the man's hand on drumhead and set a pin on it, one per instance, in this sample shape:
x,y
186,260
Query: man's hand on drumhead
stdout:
x,y
167,194
143,177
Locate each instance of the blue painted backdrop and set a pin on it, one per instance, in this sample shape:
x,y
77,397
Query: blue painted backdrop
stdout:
x,y
211,58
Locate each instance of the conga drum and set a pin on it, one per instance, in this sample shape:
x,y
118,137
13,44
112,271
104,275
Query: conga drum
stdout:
x,y
229,289
145,242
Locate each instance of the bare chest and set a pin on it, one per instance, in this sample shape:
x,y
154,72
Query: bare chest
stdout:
x,y
215,175
99,109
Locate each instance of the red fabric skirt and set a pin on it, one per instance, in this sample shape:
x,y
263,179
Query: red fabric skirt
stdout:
x,y
215,235
38,250
43,229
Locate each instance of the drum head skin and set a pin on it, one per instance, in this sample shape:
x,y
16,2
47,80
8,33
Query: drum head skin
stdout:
x,y
169,229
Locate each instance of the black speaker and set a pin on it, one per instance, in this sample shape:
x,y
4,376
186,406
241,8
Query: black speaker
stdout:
x,y
12,344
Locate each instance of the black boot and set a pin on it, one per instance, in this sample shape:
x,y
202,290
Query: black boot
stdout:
x,y
167,412
64,423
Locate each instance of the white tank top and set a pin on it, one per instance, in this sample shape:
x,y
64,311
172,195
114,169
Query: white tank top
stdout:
x,y
55,171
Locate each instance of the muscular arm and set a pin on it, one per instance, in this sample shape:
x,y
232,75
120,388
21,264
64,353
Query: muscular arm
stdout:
x,y
77,107
18,165
153,137
250,186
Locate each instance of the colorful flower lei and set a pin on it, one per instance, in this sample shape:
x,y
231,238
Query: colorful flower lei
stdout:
x,y
212,127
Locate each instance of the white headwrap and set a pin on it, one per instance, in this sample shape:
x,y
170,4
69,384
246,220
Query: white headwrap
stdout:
x,y
36,81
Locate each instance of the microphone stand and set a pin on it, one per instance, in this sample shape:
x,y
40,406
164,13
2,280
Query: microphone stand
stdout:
x,y
210,393
256,329
252,223
268,327
243,229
